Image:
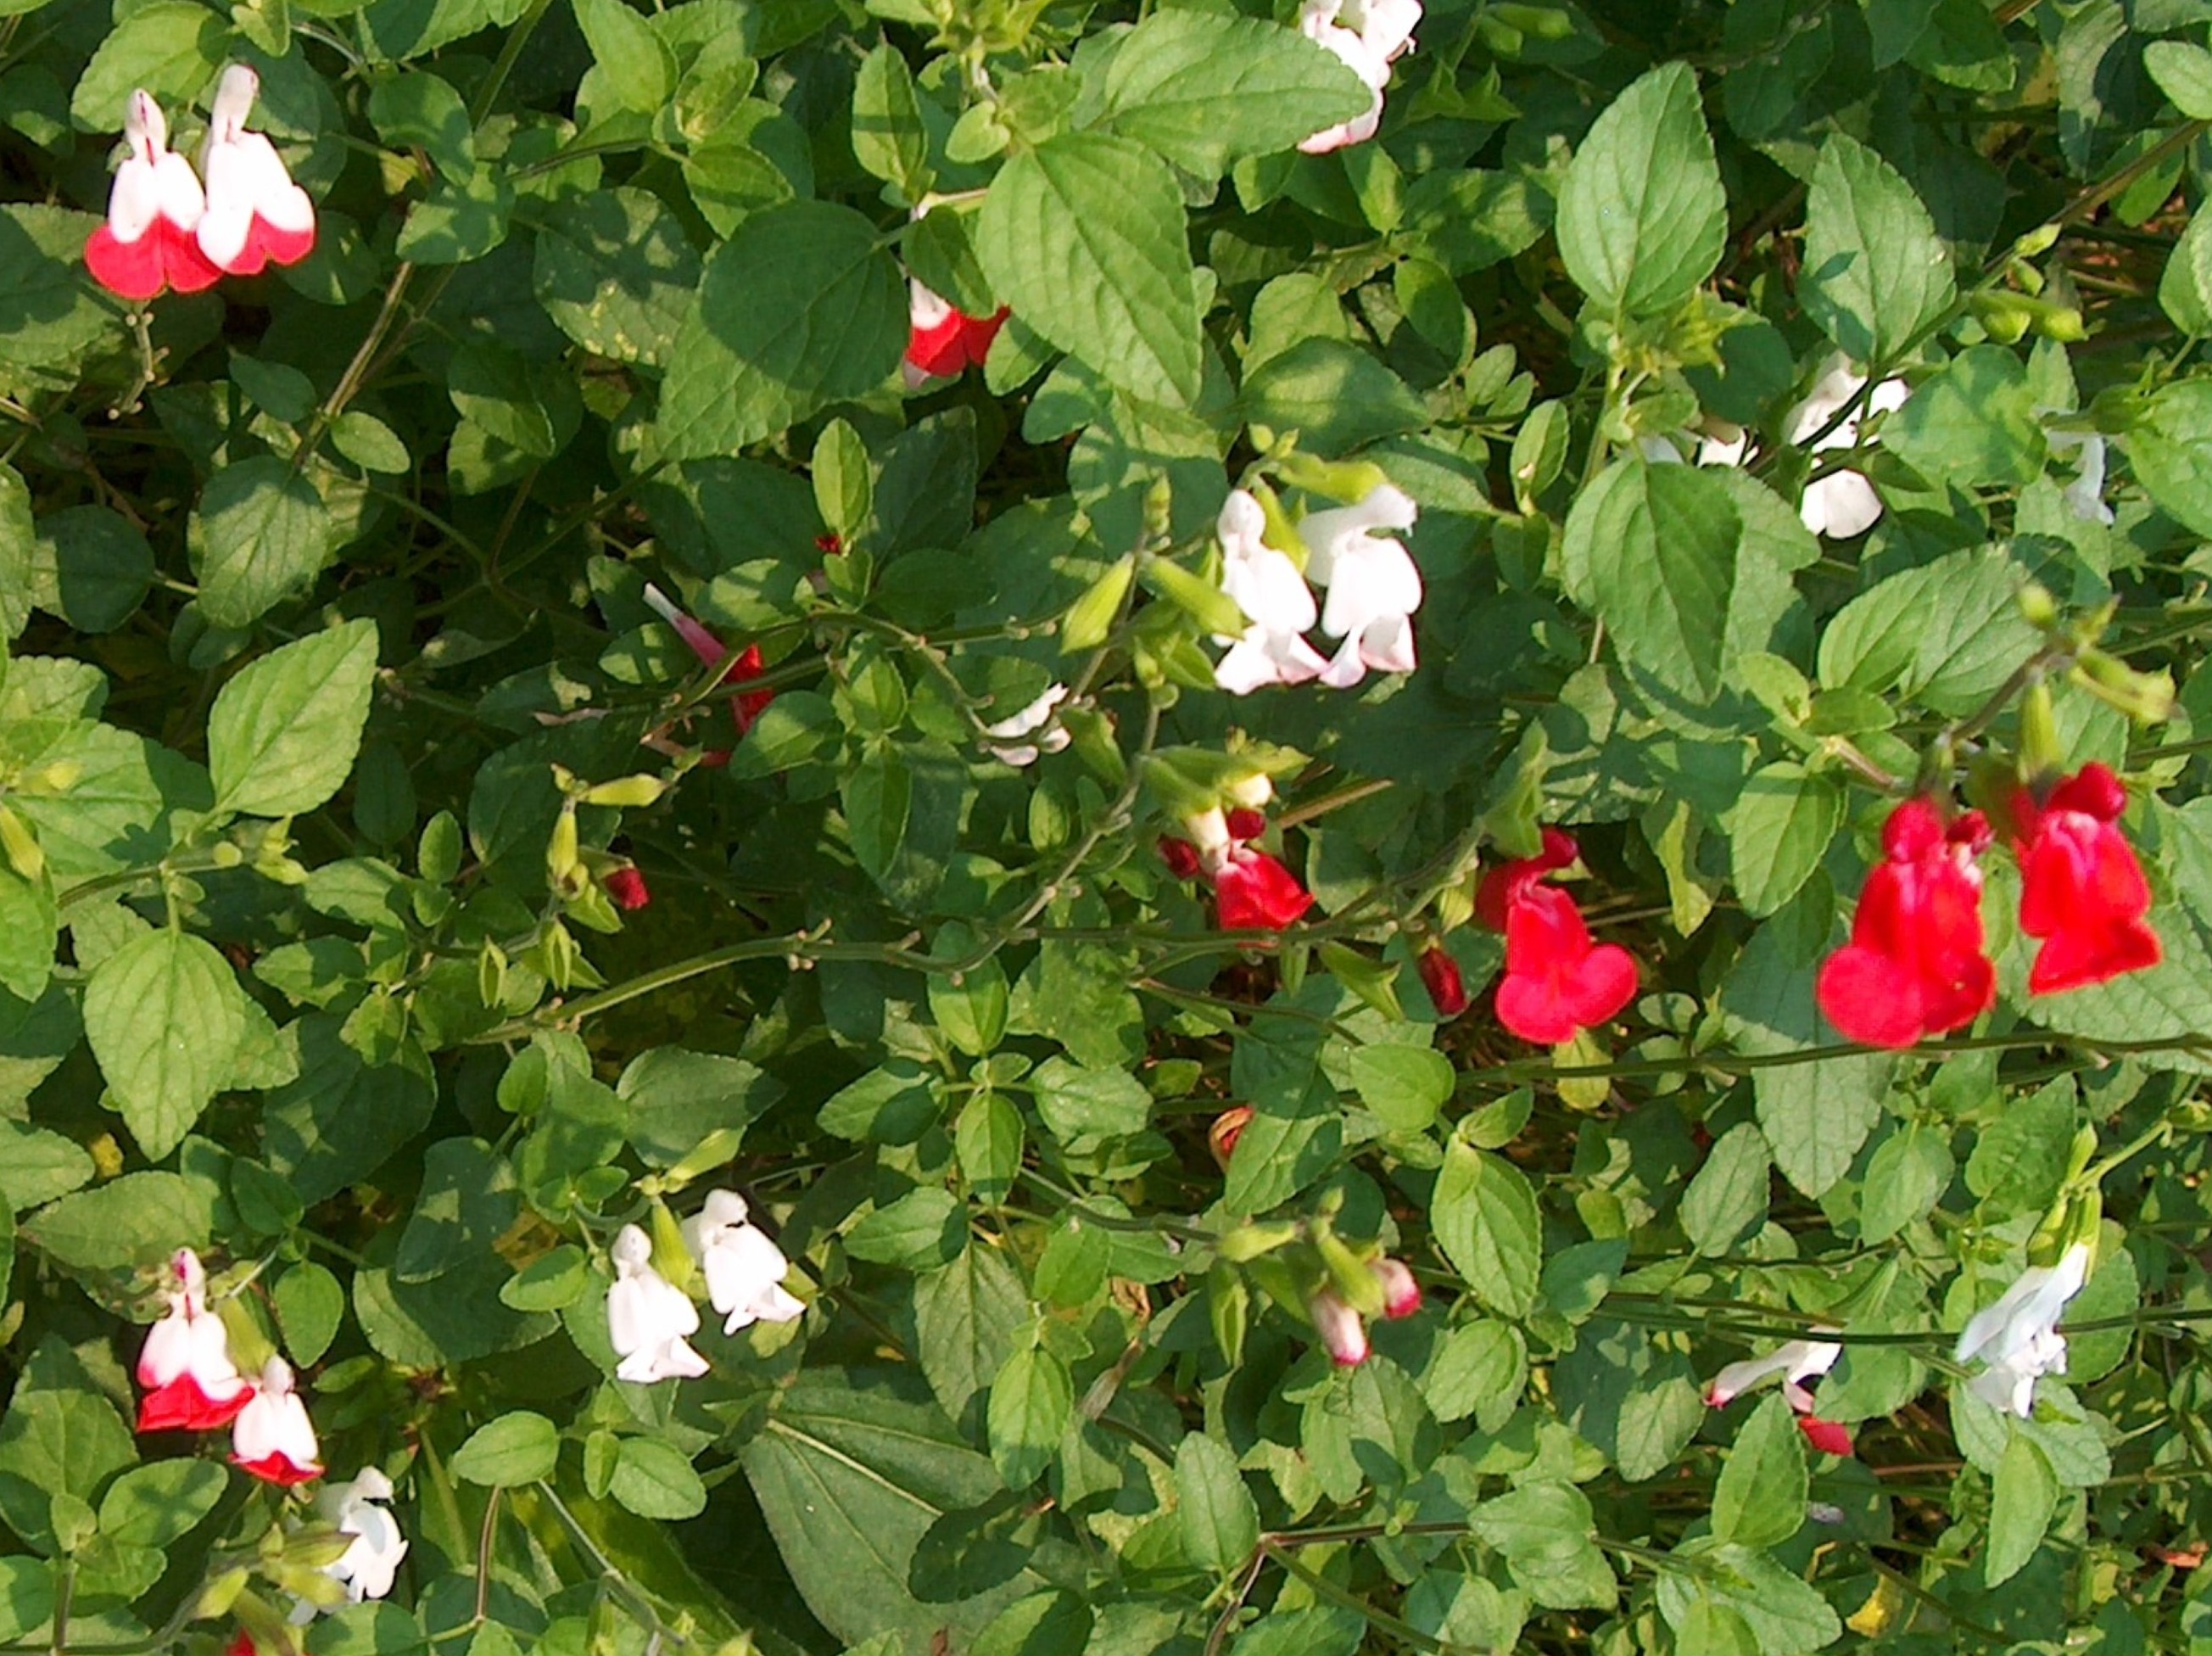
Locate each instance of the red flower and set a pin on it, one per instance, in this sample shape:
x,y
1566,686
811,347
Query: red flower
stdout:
x,y
1557,981
241,1646
942,342
1440,976
1493,898
1180,857
1914,967
1827,1436
829,546
1252,891
2082,889
628,888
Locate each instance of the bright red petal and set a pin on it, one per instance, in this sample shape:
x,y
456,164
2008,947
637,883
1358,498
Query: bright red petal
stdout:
x,y
1531,1008
181,1406
939,350
280,246
1255,891
278,1467
1605,982
129,269
1440,975
1870,998
1827,1436
977,333
2081,955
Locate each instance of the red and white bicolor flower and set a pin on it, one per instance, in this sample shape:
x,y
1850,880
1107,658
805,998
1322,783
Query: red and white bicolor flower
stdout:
x,y
744,1269
154,207
191,1384
1343,1331
1267,586
1373,586
1796,1361
256,216
650,1319
272,1437
1369,36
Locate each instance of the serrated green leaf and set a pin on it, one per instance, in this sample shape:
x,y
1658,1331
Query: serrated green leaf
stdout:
x,y
1642,217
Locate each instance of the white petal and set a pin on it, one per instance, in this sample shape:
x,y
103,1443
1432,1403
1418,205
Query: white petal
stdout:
x,y
1722,449
1373,579
1657,451
178,191
1387,644
741,1267
925,309
1840,505
134,200
1241,522
1268,586
1346,667
1021,723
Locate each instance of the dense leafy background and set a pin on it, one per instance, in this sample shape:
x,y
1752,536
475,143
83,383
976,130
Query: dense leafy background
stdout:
x,y
311,582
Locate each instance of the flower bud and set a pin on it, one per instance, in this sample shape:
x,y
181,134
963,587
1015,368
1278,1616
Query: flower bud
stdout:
x,y
1401,1293
1440,975
1340,1329
627,792
1348,1274
1228,1127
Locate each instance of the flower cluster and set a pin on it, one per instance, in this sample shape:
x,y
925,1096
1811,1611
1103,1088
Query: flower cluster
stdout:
x,y
1343,1329
1369,36
1557,982
651,1321
164,230
1915,965
748,664
1797,1362
1372,584
1252,892
193,1385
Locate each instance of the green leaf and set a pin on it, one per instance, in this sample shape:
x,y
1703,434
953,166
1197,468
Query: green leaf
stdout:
x,y
1643,219
1655,550
170,47
2184,72
2020,1161
922,1231
2022,1497
801,307
29,925
1729,1195
1486,1223
636,66
1779,831
1403,1085
343,1115
967,1316
155,1504
310,1302
1335,396
654,1481
260,534
1078,1103
1085,237
94,567
27,1596
972,1011
135,1221
1876,273
1907,1174
1220,1519
515,1449
1788,1617
423,112
283,733
988,1139
877,802
1205,90
1032,1400
2171,449
1759,1500
889,138
1976,422
165,1015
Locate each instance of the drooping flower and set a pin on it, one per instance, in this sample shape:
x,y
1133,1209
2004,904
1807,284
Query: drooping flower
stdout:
x,y
942,342
1373,586
272,1437
2018,1336
153,208
2082,893
627,888
1343,1331
191,1384
2085,495
1252,892
1008,737
1914,967
256,216
1369,36
1402,1293
650,1320
1843,504
1267,586
1796,1361
370,1560
1557,982
1440,975
744,1269
744,709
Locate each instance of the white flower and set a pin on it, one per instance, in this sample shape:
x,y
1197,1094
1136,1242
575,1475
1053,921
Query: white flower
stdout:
x,y
368,1563
153,207
1006,733
1844,504
650,1319
273,1438
255,213
1369,36
2018,1336
1373,586
2085,495
1267,586
190,1382
1796,1361
745,1270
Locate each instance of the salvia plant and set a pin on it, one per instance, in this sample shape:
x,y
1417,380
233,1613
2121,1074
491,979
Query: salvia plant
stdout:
x,y
1092,827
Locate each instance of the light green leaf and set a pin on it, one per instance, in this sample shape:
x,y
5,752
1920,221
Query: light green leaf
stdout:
x,y
152,1505
1876,273
988,1139
1642,216
967,1316
889,138
517,1448
1779,831
165,1015
1729,1195
2022,1497
1975,424
638,68
1759,1500
1205,90
283,733
797,309
1085,237
1654,550
1032,1400
422,111
1335,396
310,1302
136,1219
170,47
1220,1519
260,534
1907,1174
1486,1223
655,1481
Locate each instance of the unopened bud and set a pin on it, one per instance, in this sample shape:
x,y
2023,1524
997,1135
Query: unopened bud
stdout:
x,y
2041,750
1249,1242
2037,607
20,845
1349,481
1348,1273
627,792
2145,697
